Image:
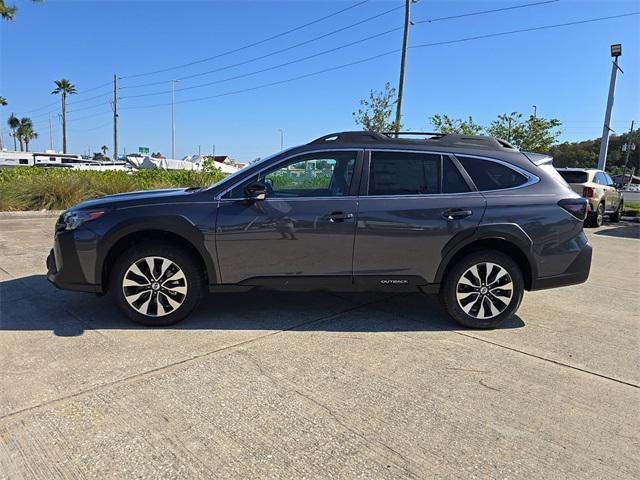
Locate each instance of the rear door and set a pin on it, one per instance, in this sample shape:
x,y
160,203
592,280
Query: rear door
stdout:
x,y
411,205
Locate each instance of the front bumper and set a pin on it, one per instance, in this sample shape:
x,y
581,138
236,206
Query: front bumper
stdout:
x,y
577,272
69,264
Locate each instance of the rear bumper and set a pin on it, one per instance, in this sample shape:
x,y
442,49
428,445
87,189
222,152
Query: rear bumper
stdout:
x,y
577,272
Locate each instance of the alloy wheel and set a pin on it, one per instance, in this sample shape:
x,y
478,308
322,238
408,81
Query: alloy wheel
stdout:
x,y
484,290
154,286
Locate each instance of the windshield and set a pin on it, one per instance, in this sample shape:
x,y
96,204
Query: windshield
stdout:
x,y
574,176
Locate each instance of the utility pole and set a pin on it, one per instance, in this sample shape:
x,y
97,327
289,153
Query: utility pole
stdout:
x,y
626,158
173,119
535,111
281,139
509,131
50,134
403,61
115,117
616,51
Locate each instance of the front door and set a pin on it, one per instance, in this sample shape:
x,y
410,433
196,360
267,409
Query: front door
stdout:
x,y
413,205
304,227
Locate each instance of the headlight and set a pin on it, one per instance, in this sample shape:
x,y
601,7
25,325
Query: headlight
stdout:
x,y
74,219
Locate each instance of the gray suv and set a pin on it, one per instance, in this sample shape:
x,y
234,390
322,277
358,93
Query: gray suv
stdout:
x,y
467,217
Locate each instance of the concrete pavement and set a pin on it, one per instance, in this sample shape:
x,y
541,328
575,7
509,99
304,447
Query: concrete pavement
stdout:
x,y
318,385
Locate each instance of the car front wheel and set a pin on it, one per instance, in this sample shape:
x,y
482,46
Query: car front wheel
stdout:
x,y
483,289
156,284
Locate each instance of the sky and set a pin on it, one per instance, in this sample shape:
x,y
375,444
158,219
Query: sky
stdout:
x,y
564,71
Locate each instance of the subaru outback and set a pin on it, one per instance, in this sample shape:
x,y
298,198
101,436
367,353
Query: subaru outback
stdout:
x,y
470,218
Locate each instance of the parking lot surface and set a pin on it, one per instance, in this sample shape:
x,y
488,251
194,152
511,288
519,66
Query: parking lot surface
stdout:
x,y
319,385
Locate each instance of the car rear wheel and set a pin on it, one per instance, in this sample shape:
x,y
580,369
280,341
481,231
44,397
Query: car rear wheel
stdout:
x,y
156,284
615,216
596,218
483,289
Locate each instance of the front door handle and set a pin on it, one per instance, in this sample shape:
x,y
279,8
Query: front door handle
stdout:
x,y
456,214
338,216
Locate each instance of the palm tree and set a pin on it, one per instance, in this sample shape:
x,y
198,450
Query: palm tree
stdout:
x,y
13,123
26,133
104,149
64,87
8,13
3,103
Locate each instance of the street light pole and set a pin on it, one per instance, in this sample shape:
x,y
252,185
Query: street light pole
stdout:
x,y
281,139
115,118
173,119
616,52
403,61
50,134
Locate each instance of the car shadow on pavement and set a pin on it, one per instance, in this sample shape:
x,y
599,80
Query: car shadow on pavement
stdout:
x,y
622,230
33,304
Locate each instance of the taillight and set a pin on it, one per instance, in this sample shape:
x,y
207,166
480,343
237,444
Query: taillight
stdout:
x,y
575,206
588,192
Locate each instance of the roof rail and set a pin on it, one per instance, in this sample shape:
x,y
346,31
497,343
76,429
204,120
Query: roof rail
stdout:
x,y
440,139
422,134
352,137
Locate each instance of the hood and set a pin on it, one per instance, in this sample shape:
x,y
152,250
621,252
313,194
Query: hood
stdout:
x,y
132,198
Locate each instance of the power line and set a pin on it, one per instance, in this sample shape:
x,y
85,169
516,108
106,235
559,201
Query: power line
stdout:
x,y
495,10
366,39
261,57
292,62
390,52
77,101
273,67
259,42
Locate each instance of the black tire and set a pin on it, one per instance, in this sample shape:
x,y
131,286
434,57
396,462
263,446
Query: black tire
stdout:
x,y
595,219
183,287
452,286
617,215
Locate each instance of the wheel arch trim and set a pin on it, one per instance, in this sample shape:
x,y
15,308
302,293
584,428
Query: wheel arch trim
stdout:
x,y
171,224
509,233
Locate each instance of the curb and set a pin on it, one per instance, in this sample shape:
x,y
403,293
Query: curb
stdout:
x,y
31,214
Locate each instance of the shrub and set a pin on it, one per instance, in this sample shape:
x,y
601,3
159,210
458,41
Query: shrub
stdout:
x,y
28,188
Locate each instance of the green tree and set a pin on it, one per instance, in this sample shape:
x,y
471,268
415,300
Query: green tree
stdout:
x,y
63,88
8,13
3,101
375,112
14,123
104,149
532,134
26,133
446,124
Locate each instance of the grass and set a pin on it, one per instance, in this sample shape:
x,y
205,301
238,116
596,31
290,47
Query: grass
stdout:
x,y
53,189
632,209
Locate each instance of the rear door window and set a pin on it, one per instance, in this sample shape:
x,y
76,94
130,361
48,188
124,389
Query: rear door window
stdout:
x,y
572,176
402,173
490,175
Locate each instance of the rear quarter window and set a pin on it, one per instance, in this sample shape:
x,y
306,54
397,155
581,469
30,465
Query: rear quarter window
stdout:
x,y
490,175
574,176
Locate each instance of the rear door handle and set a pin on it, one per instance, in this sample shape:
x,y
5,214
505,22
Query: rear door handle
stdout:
x,y
338,216
456,214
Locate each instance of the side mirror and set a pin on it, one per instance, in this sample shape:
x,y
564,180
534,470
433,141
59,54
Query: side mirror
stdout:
x,y
256,191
